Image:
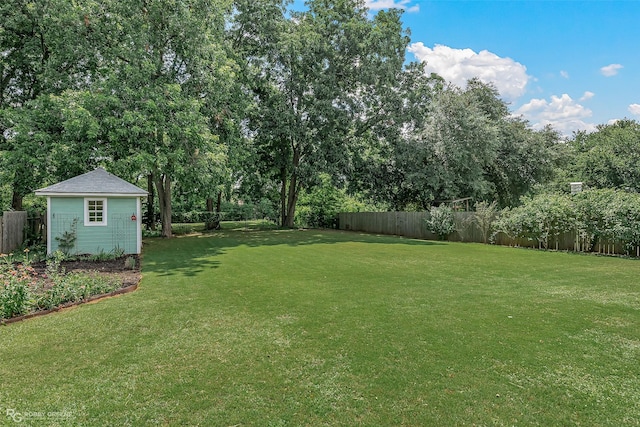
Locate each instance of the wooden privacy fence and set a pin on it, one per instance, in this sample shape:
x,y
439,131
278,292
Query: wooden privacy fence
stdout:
x,y
12,226
408,224
411,224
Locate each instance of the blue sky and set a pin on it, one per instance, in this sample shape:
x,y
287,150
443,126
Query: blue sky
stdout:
x,y
571,64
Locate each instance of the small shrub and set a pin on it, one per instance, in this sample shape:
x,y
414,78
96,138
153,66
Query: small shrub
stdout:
x,y
67,239
14,299
510,223
441,221
318,207
101,256
130,263
464,227
484,218
151,233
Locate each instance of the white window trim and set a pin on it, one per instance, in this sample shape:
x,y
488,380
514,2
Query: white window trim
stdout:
x,y
87,223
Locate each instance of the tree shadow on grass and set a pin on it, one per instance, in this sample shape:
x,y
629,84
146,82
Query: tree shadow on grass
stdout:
x,y
195,254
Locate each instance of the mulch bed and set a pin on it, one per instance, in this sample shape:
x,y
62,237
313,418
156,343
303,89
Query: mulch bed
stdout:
x,y
112,269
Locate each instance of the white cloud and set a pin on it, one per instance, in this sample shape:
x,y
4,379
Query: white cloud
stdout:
x,y
610,70
562,112
634,109
459,65
586,96
392,4
564,74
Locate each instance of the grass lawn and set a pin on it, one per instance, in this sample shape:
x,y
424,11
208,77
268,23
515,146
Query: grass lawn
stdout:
x,y
291,328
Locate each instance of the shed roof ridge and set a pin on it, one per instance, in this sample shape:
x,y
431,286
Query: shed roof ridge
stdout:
x,y
97,181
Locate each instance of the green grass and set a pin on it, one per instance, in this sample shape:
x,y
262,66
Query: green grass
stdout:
x,y
290,328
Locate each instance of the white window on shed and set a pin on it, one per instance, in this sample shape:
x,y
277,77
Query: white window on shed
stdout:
x,y
95,212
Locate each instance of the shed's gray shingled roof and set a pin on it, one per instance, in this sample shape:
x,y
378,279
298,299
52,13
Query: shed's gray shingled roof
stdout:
x,y
98,181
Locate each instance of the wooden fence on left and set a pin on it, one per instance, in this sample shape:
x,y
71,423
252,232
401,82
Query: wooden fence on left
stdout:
x,y
12,228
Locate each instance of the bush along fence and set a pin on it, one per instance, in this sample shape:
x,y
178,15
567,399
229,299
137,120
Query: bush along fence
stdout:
x,y
604,221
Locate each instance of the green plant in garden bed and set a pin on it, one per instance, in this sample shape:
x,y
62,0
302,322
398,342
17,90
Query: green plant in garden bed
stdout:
x,y
22,291
16,285
130,263
67,239
70,287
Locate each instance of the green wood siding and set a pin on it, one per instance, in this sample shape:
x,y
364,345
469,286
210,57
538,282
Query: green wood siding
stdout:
x,y
120,231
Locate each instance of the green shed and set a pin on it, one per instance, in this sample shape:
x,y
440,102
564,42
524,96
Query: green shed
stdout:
x,y
93,213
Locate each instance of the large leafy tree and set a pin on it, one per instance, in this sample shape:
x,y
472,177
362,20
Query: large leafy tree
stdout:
x,y
525,160
609,157
319,79
454,143
143,85
168,79
447,141
52,137
46,47
380,168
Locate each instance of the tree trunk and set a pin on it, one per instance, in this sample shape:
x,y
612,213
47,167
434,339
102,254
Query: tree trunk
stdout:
x,y
283,196
163,186
16,201
151,211
292,200
209,223
294,191
214,224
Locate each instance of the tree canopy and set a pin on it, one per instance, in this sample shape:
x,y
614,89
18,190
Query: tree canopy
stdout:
x,y
318,78
608,157
261,103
